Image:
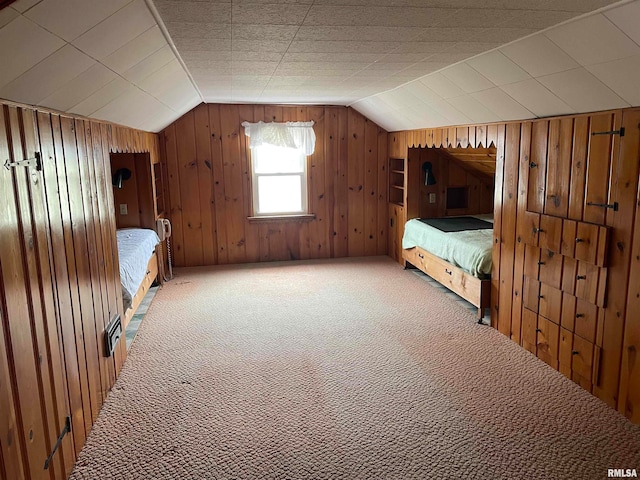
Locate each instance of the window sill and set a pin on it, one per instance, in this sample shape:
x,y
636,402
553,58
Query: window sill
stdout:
x,y
304,217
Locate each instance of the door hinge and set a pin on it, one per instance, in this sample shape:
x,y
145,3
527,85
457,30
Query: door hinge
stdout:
x,y
65,430
35,162
613,206
611,132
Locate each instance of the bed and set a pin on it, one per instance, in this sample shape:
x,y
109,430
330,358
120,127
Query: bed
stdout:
x,y
459,260
138,266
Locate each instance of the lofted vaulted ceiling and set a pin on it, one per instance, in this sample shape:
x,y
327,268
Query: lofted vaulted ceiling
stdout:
x,y
403,63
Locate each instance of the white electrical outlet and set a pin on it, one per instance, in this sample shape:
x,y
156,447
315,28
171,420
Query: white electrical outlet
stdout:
x,y
432,198
123,209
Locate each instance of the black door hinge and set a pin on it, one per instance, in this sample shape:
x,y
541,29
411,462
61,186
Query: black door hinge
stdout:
x,y
611,132
65,430
35,162
613,206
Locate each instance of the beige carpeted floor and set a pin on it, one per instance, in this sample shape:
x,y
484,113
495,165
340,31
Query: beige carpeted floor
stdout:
x,y
342,369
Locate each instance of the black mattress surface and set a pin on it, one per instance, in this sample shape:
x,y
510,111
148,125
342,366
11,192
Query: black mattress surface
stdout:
x,y
457,224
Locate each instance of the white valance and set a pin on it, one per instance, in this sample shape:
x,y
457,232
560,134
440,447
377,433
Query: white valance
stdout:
x,y
298,135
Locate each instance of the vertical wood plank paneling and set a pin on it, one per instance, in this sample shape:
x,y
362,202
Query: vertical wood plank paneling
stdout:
x,y
189,190
495,136
521,225
508,226
14,310
578,167
538,167
370,188
252,233
175,199
234,224
624,175
204,169
355,176
220,204
383,189
559,167
341,212
331,151
599,162
629,398
71,325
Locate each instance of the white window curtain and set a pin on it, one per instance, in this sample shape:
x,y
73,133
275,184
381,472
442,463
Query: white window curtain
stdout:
x,y
299,135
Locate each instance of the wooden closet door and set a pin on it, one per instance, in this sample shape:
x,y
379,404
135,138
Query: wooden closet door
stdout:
x,y
33,406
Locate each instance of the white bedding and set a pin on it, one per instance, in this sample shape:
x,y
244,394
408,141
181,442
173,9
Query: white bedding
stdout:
x,y
469,249
135,248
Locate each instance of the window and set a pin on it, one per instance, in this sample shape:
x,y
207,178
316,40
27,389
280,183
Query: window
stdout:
x,y
279,180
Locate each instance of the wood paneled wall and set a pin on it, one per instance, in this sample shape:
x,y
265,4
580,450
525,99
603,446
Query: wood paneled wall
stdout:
x,y
558,167
209,187
136,193
59,282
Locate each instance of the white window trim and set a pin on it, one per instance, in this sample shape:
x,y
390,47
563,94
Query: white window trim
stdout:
x,y
303,185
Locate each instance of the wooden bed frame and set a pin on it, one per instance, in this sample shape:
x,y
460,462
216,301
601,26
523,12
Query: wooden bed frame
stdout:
x,y
147,281
472,289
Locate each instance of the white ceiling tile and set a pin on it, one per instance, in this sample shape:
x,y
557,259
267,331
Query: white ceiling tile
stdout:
x,y
136,50
152,63
194,12
537,98
80,88
47,76
163,78
340,46
126,106
278,33
473,109
374,15
593,40
24,5
71,18
502,104
31,41
582,91
498,68
6,15
439,104
468,79
442,86
179,95
539,56
116,31
363,33
179,30
101,97
621,76
627,19
275,14
260,46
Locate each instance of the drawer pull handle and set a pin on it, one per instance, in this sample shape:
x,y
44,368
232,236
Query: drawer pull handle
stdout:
x,y
575,352
447,271
538,230
148,272
540,296
540,263
579,315
421,255
538,330
581,277
579,240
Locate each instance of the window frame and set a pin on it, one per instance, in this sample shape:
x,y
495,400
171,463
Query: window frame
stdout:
x,y
304,186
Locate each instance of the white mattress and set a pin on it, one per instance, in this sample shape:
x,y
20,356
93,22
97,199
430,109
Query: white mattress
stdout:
x,y
469,249
135,248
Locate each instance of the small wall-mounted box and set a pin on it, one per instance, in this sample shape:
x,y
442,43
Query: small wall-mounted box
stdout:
x,y
124,210
112,335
